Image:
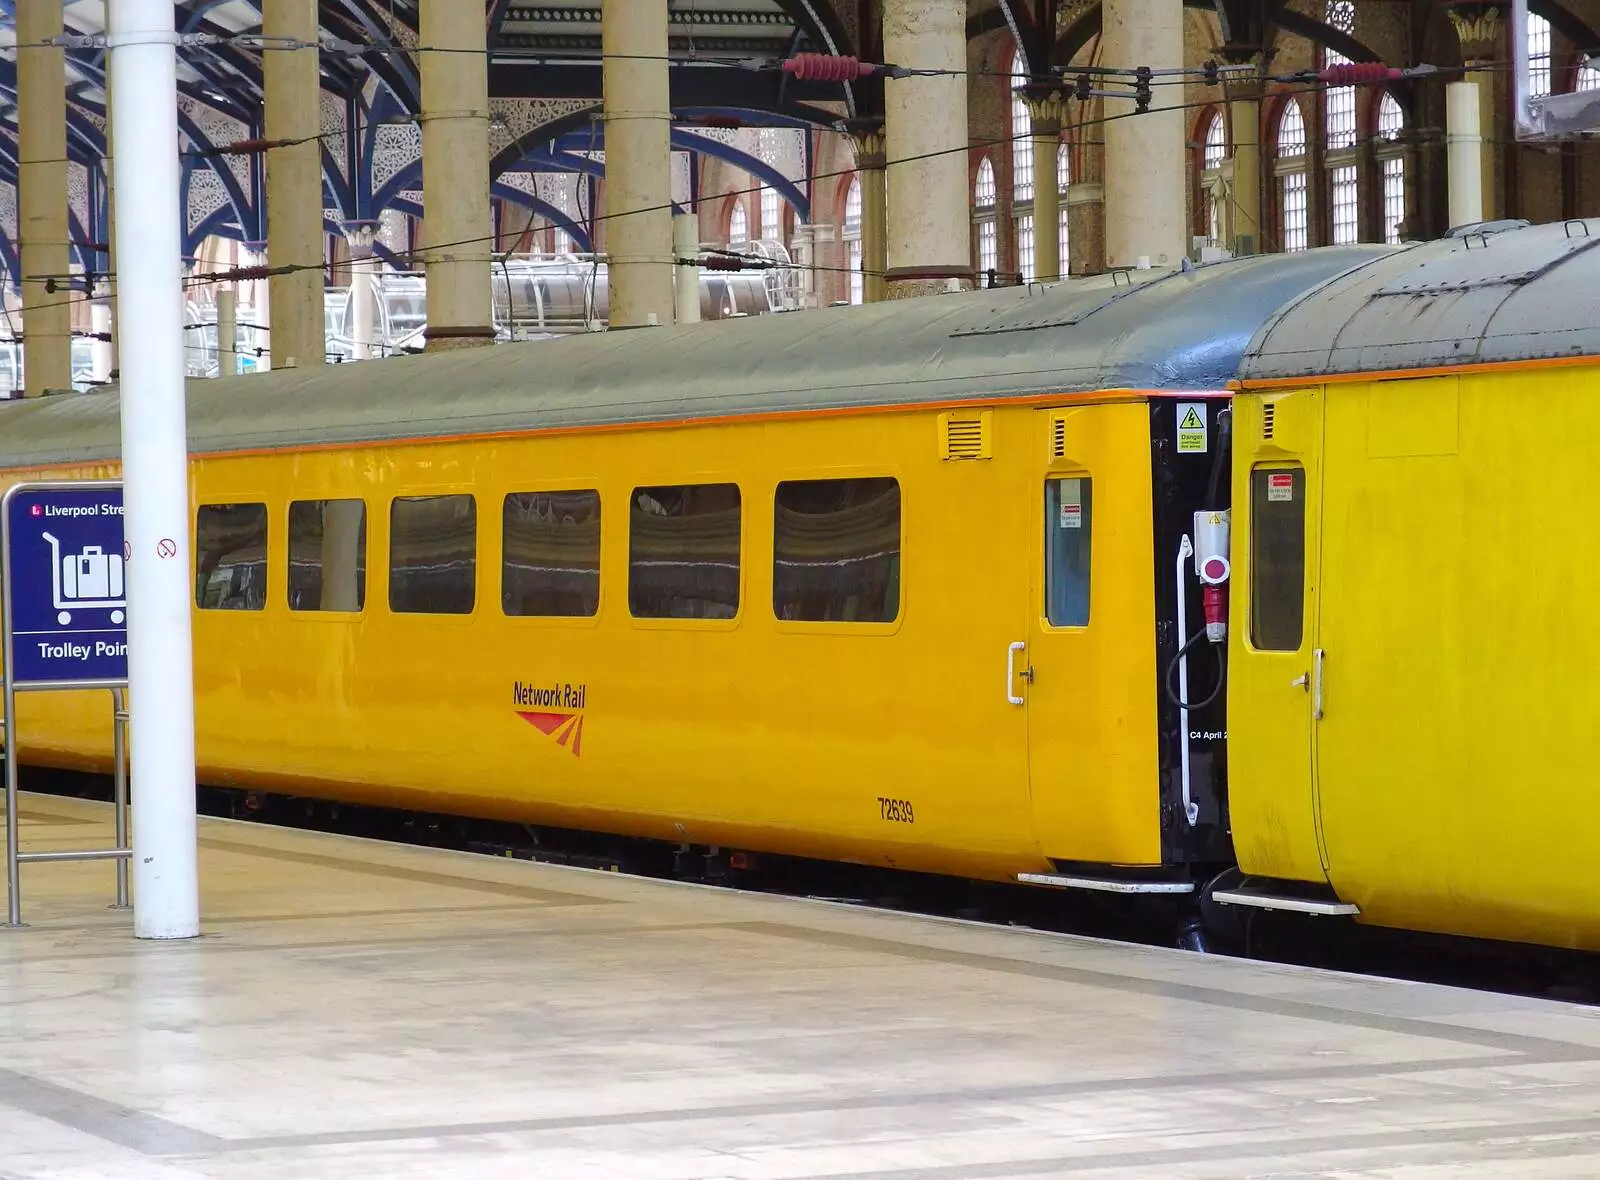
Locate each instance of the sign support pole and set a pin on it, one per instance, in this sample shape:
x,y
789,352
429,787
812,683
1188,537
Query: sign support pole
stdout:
x,y
63,627
155,465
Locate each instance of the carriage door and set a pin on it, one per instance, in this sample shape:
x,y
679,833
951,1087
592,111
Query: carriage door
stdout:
x,y
1091,734
1275,661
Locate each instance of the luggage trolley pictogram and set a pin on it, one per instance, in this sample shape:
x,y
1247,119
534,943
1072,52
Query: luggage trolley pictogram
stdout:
x,y
91,580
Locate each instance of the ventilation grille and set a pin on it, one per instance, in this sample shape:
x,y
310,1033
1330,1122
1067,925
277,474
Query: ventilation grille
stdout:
x,y
965,436
1058,438
1269,420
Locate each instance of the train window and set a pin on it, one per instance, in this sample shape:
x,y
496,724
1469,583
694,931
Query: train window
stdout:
x,y
433,555
1068,530
836,550
1277,557
683,552
230,557
552,554
327,555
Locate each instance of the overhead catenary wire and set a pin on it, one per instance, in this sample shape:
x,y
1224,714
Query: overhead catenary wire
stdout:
x,y
241,274
804,66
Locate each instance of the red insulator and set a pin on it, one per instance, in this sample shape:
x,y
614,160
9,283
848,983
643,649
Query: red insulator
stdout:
x,y
247,147
721,262
1357,73
824,67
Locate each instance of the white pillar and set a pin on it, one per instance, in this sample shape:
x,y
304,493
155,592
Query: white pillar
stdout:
x,y
363,303
102,352
261,301
929,222
155,469
227,332
686,244
1145,181
1464,147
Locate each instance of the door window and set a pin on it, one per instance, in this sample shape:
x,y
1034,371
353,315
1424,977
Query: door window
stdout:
x,y
1277,558
1068,528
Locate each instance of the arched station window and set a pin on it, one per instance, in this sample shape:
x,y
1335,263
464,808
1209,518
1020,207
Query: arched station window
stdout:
x,y
1392,165
738,224
771,213
1291,170
1213,150
1339,126
1538,56
1063,179
852,237
983,216
1022,171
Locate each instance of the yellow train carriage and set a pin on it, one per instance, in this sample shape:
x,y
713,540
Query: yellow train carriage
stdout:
x,y
892,585
1412,703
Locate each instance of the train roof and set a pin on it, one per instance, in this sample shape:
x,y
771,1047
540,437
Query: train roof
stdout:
x,y
1163,330
1502,291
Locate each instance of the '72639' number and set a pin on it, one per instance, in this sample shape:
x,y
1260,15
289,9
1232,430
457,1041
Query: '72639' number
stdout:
x,y
897,810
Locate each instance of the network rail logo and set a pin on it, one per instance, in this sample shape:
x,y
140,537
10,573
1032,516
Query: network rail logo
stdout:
x,y
556,711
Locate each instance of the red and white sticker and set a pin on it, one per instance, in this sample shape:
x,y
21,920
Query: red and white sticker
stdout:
x,y
1071,491
1280,486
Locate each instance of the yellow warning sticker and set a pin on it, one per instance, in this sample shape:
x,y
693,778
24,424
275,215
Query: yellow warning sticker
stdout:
x,y
1191,428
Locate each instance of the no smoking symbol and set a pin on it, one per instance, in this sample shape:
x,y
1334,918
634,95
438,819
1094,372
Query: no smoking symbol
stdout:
x,y
166,547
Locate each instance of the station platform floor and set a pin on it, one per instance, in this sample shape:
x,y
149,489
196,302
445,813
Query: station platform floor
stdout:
x,y
357,1009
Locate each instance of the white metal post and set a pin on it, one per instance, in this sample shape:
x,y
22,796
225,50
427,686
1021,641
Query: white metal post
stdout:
x,y
1463,158
227,332
155,466
686,244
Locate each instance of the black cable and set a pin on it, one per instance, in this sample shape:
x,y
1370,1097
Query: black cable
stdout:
x,y
1172,668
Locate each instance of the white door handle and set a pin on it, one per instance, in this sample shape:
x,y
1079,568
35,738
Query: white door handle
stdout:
x,y
1301,681
1316,684
1011,673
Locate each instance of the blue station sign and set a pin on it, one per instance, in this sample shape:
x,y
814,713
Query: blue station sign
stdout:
x,y
66,584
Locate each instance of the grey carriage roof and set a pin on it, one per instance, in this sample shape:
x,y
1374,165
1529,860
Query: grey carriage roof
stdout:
x,y
1165,330
1507,291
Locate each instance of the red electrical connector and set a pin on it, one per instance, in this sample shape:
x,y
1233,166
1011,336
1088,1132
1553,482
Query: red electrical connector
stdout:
x,y
824,67
1357,73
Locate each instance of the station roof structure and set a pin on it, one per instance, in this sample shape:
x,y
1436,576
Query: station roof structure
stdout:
x,y
545,94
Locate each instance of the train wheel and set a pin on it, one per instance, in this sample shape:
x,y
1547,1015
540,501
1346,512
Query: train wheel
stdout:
x,y
1223,926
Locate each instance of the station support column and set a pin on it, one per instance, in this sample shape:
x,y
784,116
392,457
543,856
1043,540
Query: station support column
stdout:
x,y
298,334
42,199
1244,130
1044,110
686,247
155,469
1145,182
457,219
1464,150
638,181
866,136
926,144
363,297
1481,30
